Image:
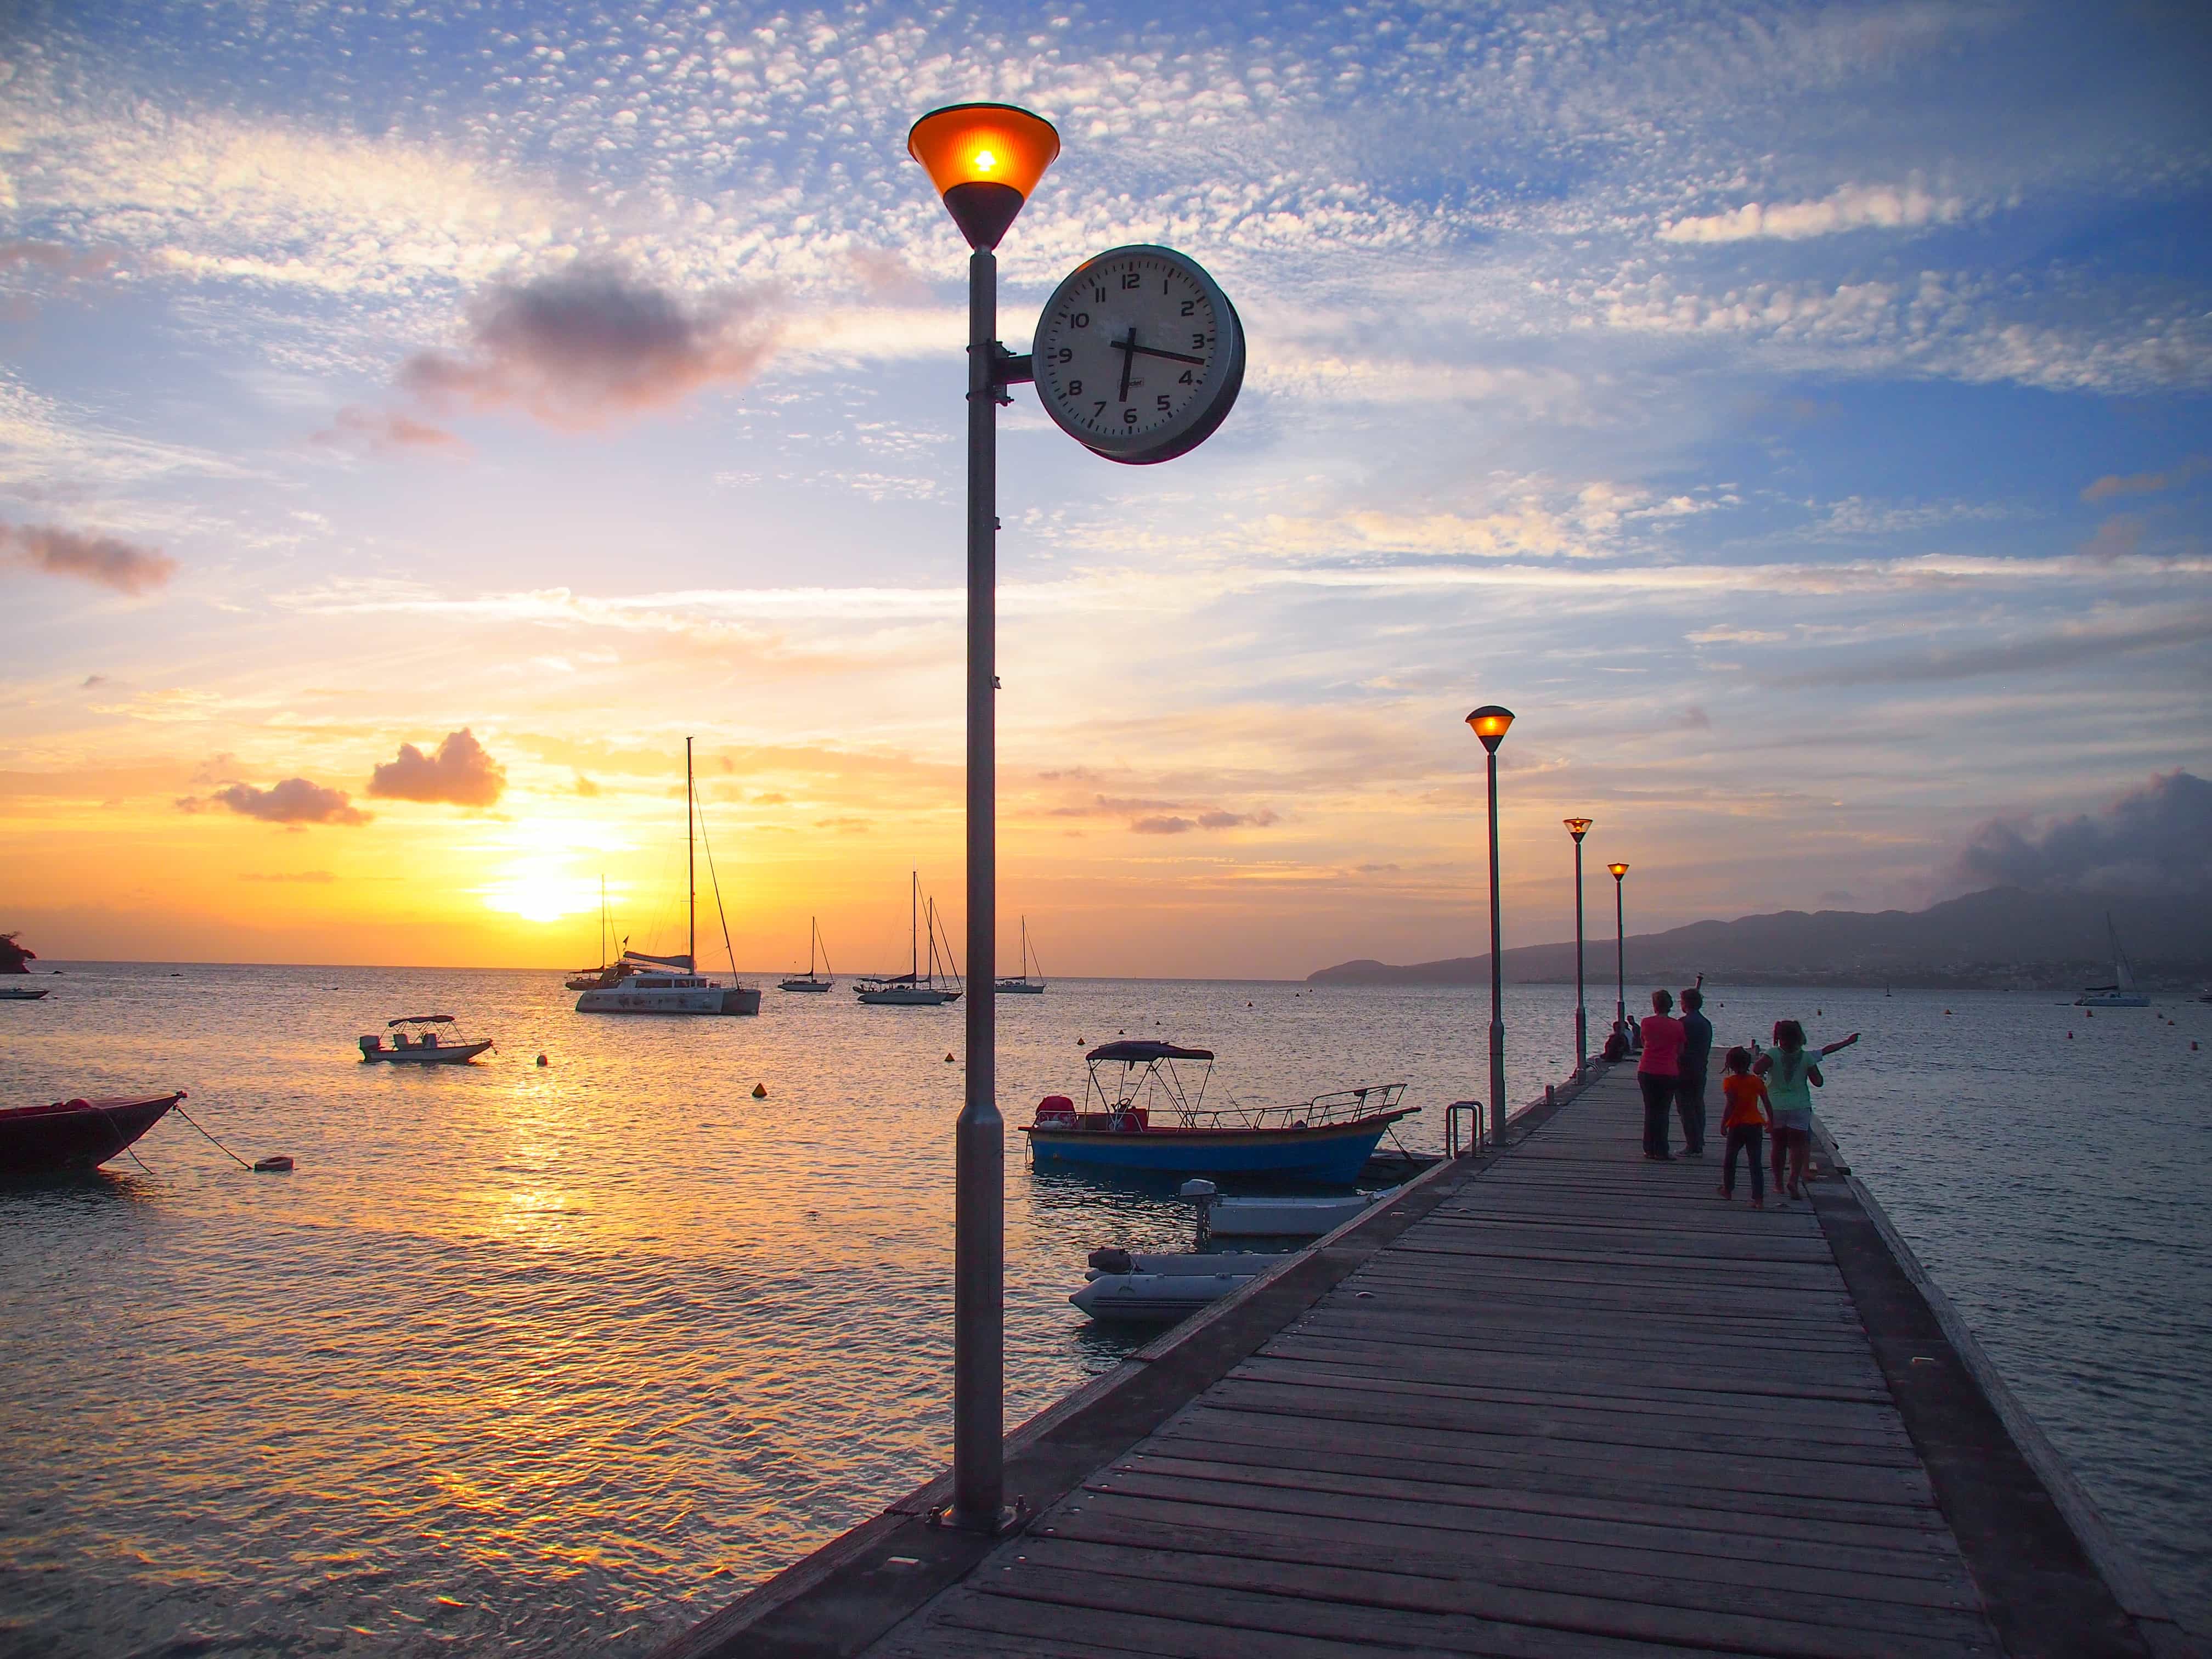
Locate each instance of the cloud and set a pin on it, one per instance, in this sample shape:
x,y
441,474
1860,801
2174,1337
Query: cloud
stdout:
x,y
294,801
579,347
2116,538
2157,839
1176,824
1854,207
113,563
1163,826
586,787
382,431
55,259
459,775
1235,820
2038,653
311,878
2144,483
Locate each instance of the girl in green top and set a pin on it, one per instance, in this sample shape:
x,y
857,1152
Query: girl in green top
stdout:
x,y
1792,1073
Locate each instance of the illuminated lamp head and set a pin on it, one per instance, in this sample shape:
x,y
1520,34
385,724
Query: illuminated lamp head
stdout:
x,y
1578,828
985,159
1619,870
1490,723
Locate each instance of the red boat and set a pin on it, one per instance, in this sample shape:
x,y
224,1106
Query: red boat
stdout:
x,y
75,1134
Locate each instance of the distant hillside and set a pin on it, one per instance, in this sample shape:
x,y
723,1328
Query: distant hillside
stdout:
x,y
2004,938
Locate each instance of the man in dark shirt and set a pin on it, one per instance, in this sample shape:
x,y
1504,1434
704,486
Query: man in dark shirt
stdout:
x,y
1697,1054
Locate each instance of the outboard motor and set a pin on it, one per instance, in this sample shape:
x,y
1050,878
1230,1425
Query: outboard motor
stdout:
x,y
1201,1192
1112,1259
370,1044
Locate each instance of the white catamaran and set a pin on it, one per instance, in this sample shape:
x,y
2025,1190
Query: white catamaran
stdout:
x,y
1025,985
824,981
917,988
2121,992
673,985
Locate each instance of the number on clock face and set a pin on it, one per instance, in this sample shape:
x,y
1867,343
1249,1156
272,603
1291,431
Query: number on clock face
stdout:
x,y
1139,354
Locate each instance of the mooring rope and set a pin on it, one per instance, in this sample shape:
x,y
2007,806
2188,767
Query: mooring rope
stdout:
x,y
180,1109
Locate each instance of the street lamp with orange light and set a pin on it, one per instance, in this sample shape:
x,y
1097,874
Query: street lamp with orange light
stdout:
x,y
1619,950
1490,723
1138,356
1578,828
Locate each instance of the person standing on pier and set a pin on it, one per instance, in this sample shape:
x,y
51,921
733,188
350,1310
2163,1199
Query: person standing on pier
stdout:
x,y
1697,1056
1743,1121
1658,1073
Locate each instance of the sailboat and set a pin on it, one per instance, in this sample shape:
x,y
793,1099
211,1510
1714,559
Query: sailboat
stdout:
x,y
1025,986
813,981
914,989
612,970
2121,992
673,985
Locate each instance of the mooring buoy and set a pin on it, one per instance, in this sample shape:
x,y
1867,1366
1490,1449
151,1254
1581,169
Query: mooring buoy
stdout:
x,y
541,1060
760,1092
276,1165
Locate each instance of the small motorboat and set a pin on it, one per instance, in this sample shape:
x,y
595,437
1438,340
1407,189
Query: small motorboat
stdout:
x,y
1137,1285
1274,1217
74,1135
430,1043
24,992
1143,1115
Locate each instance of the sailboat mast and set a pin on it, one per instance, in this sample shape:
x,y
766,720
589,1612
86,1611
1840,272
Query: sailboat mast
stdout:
x,y
913,925
690,872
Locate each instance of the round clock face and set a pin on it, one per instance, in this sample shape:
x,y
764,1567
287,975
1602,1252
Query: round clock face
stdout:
x,y
1138,356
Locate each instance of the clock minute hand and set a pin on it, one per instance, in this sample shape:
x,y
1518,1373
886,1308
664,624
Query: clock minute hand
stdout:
x,y
1128,348
1154,351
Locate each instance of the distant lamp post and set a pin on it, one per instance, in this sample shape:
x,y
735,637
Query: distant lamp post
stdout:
x,y
1578,828
1490,723
1620,949
985,159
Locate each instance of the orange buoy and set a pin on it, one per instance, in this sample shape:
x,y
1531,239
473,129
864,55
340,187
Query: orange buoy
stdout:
x,y
948,1056
760,1092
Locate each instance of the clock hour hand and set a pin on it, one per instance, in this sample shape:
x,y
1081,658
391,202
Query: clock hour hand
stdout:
x,y
1128,348
1154,351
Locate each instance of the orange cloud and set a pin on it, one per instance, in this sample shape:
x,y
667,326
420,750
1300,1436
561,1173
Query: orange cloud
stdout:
x,y
293,802
2143,484
459,775
382,431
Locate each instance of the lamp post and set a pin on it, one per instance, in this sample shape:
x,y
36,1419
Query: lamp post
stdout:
x,y
985,159
1578,828
1490,723
1619,950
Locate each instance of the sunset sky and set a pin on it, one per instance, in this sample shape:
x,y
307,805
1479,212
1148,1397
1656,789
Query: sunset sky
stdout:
x,y
410,430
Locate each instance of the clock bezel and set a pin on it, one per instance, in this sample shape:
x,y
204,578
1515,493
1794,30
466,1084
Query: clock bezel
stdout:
x,y
1208,409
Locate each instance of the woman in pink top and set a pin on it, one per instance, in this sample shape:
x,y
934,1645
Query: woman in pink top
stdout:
x,y
1659,1072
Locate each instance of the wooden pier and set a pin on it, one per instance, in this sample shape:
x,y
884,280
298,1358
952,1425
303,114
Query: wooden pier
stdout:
x,y
1558,1402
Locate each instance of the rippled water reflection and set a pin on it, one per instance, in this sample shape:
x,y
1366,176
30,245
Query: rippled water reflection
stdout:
x,y
520,1358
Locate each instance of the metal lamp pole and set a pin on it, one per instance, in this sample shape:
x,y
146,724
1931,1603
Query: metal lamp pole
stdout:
x,y
984,159
1578,828
1620,949
1490,723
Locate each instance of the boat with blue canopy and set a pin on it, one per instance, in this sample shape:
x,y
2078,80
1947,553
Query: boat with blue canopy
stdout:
x,y
1142,1113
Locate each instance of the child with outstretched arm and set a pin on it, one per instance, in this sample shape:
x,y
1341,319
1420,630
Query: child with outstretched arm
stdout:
x,y
1791,1075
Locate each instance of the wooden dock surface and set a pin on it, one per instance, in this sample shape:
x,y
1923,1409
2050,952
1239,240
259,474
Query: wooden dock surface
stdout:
x,y
1553,1402
1583,1409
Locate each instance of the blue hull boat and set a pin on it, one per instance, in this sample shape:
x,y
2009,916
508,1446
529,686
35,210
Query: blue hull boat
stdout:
x,y
1143,1118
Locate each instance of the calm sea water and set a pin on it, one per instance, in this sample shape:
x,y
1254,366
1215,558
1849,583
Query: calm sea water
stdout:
x,y
524,1358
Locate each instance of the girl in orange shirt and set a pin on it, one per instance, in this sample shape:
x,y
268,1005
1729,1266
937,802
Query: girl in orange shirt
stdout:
x,y
1745,1121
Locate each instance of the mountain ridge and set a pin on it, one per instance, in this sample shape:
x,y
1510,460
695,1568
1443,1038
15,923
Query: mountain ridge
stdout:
x,y
2000,938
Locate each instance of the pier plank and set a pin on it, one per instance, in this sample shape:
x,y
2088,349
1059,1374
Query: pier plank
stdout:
x,y
1574,1405
1584,1407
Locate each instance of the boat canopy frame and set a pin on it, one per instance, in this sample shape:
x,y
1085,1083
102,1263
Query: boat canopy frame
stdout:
x,y
1131,1076
421,1019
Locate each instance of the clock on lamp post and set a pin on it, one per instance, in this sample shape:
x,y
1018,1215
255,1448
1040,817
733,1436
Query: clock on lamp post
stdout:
x,y
1166,342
